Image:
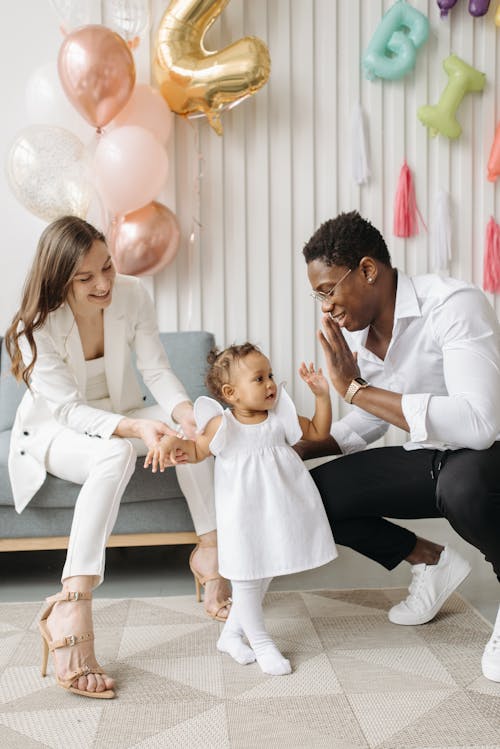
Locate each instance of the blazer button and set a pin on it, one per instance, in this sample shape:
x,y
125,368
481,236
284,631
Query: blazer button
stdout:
x,y
25,433
22,452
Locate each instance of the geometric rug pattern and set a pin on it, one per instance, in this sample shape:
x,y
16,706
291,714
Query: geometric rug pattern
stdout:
x,y
357,681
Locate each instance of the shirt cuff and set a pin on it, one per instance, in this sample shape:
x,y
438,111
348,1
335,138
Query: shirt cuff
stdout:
x,y
109,425
173,402
414,407
346,439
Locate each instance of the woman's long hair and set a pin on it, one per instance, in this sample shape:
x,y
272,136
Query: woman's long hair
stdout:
x,y
61,247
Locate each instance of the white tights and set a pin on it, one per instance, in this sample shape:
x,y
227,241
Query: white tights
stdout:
x,y
246,619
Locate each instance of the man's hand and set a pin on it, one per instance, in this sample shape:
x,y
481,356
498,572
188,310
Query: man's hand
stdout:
x,y
340,361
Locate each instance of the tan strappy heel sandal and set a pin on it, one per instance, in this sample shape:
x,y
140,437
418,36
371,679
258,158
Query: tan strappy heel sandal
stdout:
x,y
69,641
200,581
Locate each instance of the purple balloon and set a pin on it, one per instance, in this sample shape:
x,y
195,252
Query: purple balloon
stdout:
x,y
478,7
445,6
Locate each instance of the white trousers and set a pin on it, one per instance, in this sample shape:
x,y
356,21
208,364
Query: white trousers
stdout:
x,y
104,468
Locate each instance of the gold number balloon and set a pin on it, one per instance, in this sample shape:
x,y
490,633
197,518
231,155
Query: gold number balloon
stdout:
x,y
193,79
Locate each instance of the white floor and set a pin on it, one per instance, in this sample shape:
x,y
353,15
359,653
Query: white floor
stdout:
x,y
163,571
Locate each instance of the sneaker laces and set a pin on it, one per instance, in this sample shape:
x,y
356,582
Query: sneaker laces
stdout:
x,y
416,584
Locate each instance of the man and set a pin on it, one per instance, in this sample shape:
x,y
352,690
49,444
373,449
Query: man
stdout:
x,y
426,359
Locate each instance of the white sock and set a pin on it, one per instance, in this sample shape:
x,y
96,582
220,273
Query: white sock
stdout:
x,y
246,618
231,640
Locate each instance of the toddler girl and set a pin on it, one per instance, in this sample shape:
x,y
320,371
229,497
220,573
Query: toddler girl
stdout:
x,y
270,517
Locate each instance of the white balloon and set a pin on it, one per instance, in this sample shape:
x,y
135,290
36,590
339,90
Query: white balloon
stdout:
x,y
46,102
47,172
72,13
129,18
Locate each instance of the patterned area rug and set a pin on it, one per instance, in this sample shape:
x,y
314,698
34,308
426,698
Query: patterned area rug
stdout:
x,y
358,680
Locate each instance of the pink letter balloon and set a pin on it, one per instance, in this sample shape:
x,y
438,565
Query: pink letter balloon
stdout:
x,y
131,167
494,160
145,241
97,73
147,108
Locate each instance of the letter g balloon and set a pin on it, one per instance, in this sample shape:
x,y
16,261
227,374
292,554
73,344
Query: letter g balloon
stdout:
x,y
392,51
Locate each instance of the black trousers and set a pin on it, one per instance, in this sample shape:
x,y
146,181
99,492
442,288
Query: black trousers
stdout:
x,y
361,490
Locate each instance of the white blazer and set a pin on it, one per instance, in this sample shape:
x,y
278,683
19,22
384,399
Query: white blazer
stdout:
x,y
58,382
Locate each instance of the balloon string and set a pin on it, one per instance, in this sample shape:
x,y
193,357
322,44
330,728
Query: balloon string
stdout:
x,y
195,218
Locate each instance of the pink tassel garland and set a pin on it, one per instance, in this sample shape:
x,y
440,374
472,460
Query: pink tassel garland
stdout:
x,y
491,271
405,205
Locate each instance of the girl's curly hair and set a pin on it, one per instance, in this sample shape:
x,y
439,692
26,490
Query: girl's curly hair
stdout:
x,y
221,363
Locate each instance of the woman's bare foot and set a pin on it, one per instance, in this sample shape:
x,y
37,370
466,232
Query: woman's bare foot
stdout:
x,y
217,591
75,618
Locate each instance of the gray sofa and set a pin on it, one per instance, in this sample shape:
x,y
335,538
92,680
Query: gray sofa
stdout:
x,y
153,510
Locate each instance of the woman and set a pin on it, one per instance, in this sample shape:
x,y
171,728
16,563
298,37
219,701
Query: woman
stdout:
x,y
81,420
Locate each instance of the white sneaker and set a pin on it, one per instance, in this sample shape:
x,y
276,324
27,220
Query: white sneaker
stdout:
x,y
490,662
431,585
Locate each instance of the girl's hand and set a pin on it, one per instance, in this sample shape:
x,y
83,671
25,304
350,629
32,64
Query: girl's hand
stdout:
x,y
316,380
184,416
165,453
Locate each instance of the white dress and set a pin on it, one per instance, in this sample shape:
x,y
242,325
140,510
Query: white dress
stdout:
x,y
270,517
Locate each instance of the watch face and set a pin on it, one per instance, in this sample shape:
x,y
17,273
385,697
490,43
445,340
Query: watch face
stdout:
x,y
360,381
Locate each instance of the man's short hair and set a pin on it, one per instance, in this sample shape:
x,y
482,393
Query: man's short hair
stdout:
x,y
346,239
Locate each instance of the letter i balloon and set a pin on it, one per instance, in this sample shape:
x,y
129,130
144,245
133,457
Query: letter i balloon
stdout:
x,y
462,78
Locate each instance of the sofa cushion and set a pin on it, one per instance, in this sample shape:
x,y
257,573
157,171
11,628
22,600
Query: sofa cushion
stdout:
x,y
170,516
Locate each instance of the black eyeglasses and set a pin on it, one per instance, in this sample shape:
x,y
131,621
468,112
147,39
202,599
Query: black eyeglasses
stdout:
x,y
323,296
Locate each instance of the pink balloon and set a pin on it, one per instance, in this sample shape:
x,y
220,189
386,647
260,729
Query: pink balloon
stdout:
x,y
147,108
145,241
131,167
97,73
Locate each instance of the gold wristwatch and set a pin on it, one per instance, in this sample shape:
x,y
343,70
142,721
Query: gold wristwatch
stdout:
x,y
357,384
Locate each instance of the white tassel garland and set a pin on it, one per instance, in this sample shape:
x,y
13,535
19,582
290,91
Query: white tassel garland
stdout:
x,y
440,234
360,166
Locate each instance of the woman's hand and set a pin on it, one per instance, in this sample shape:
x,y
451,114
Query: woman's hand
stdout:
x,y
316,380
184,416
151,431
340,361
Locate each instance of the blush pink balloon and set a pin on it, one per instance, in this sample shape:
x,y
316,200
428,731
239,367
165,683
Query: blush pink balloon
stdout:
x,y
97,73
131,167
147,108
145,241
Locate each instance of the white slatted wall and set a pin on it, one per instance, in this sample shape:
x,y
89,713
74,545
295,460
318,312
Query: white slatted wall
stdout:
x,y
283,166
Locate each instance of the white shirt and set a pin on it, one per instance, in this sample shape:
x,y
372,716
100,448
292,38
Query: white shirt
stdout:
x,y
97,391
444,358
